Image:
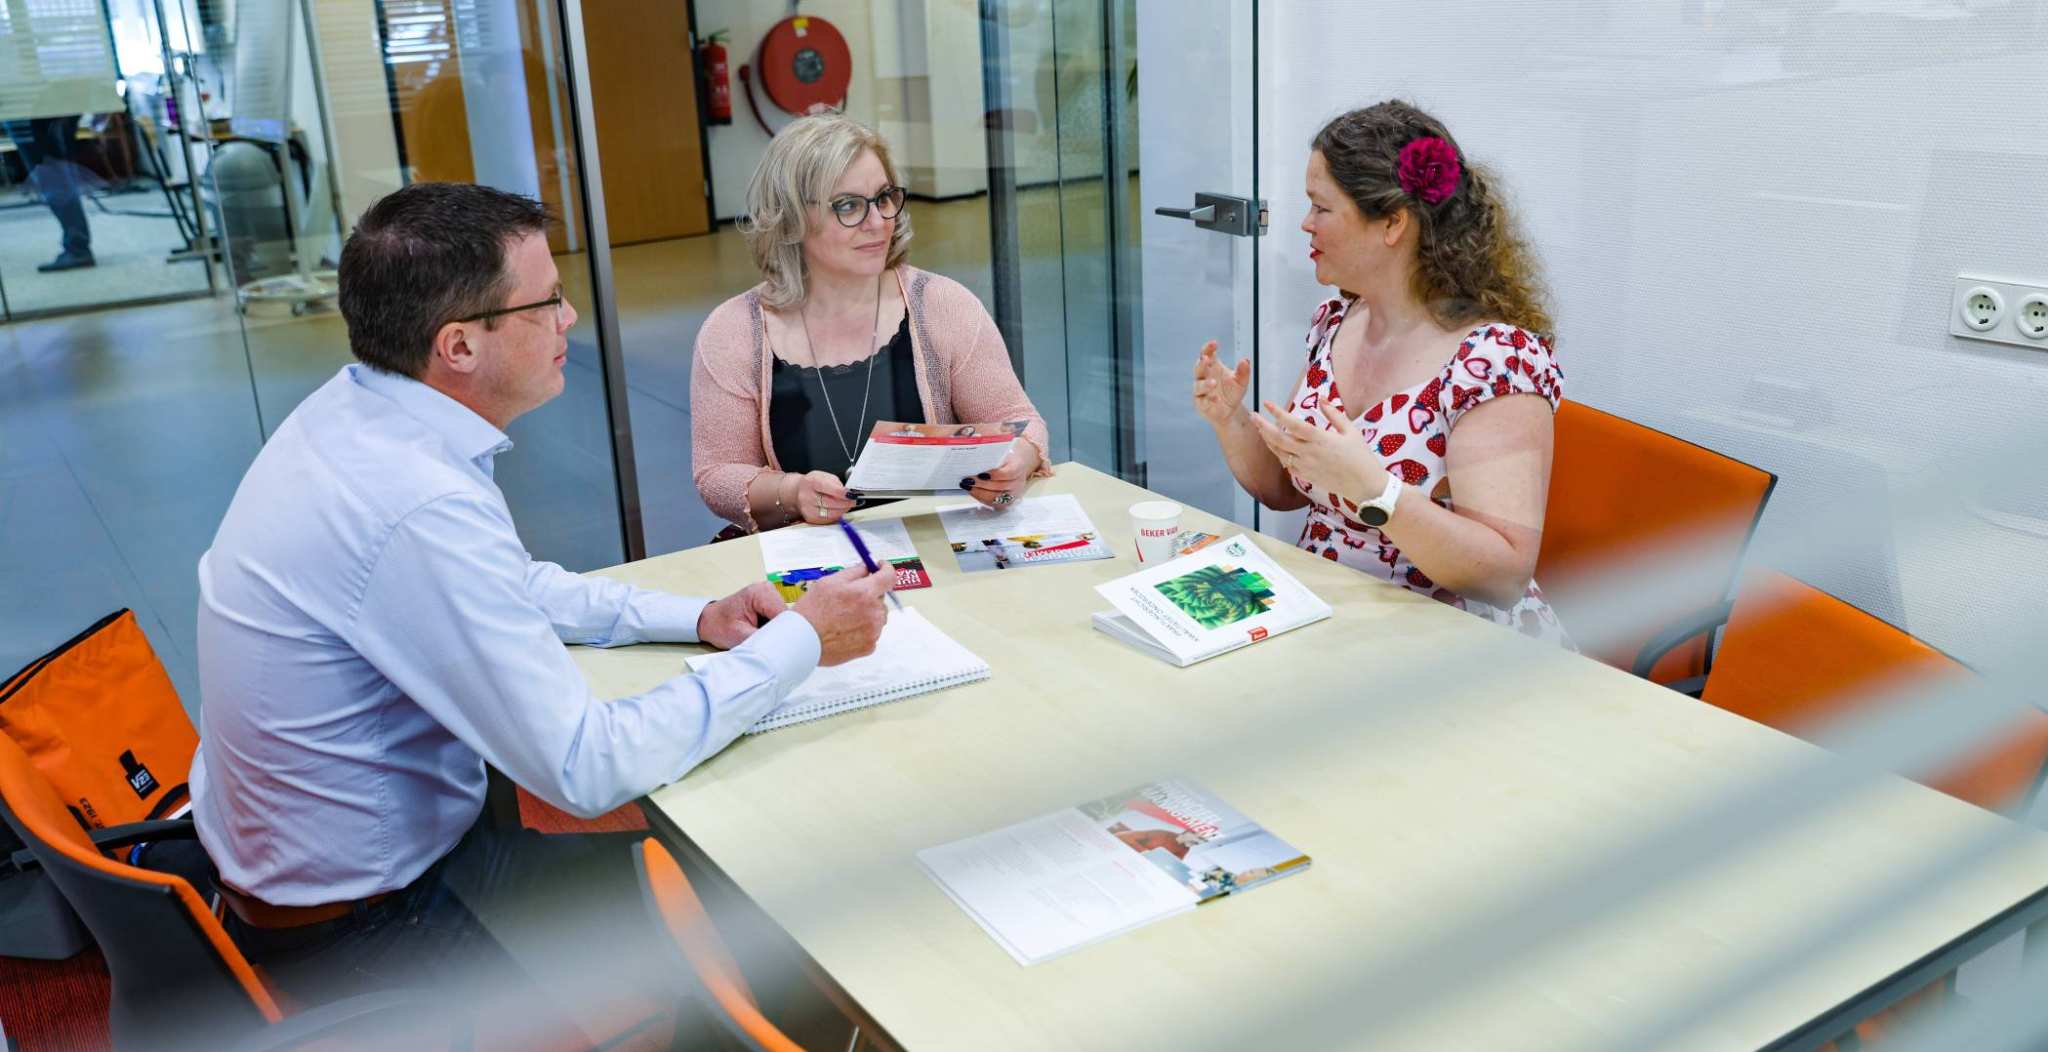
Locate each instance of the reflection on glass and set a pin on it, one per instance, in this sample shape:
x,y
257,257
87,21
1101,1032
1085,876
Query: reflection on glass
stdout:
x,y
430,90
96,126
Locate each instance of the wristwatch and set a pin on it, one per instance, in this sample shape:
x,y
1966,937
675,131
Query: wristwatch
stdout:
x,y
1378,510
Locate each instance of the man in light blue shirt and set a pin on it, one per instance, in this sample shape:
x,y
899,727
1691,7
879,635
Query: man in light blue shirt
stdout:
x,y
372,633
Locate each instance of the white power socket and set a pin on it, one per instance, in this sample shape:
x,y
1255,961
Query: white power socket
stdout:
x,y
2006,312
2031,317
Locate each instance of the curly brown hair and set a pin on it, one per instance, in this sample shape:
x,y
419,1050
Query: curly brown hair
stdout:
x,y
1471,262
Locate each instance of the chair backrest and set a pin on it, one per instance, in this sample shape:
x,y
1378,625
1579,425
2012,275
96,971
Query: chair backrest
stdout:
x,y
177,979
675,906
1618,490
100,719
1794,657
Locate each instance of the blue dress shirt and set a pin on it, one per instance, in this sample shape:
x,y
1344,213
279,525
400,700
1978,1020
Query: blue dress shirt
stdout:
x,y
371,631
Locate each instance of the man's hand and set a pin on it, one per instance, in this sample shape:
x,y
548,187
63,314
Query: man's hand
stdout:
x,y
847,611
728,622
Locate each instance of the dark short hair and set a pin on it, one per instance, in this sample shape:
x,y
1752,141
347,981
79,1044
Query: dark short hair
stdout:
x,y
424,256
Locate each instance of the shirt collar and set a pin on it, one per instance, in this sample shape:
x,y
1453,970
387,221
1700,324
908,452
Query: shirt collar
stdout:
x,y
467,434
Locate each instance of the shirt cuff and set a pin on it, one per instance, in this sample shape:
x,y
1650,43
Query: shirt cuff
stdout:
x,y
663,618
790,646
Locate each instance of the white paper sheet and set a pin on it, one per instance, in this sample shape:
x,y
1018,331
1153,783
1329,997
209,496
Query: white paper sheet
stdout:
x,y
811,547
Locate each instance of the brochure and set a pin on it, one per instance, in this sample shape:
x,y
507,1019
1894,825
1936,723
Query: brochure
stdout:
x,y
1214,600
1054,884
797,555
915,460
1032,532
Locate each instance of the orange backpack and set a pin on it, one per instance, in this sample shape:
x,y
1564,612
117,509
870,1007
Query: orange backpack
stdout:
x,y
101,720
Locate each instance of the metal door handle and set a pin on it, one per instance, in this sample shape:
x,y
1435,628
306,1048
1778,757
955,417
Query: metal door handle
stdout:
x,y
1223,213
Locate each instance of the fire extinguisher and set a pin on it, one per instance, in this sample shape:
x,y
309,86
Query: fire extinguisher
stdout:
x,y
717,79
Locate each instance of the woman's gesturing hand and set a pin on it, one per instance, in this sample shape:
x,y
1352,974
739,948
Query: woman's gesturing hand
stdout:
x,y
1331,459
1219,392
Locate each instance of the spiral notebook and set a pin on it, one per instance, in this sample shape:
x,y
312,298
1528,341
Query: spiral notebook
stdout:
x,y
913,657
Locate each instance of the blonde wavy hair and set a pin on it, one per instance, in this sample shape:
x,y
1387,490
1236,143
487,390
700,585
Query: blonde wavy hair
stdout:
x,y
1471,260
789,189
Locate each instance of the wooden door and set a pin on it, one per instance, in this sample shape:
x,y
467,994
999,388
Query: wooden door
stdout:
x,y
644,87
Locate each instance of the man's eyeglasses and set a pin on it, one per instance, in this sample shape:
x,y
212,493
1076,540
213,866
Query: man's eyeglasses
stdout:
x,y
852,209
557,301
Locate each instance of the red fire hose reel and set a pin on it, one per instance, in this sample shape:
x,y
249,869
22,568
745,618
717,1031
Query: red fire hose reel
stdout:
x,y
803,65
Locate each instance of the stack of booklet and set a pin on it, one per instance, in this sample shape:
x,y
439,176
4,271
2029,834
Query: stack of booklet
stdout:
x,y
1054,884
913,657
1220,597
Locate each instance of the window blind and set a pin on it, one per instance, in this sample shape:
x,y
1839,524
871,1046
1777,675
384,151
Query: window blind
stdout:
x,y
56,59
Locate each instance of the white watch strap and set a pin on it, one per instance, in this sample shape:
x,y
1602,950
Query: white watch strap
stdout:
x,y
1388,494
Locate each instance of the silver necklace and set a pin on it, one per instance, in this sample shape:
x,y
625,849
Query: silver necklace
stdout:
x,y
803,317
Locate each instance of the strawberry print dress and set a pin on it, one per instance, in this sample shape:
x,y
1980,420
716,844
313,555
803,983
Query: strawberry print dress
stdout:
x,y
1410,432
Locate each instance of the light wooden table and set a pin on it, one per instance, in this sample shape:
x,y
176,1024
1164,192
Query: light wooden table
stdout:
x,y
1439,770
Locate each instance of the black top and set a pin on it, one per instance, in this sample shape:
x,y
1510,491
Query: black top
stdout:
x,y
800,424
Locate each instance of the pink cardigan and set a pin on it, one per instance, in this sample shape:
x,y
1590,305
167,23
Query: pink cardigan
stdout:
x,y
963,376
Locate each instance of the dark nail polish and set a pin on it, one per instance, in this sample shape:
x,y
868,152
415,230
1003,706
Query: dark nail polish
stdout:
x,y
966,483
983,476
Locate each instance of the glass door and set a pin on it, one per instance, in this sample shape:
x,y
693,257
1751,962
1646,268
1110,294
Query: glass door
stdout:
x,y
1196,242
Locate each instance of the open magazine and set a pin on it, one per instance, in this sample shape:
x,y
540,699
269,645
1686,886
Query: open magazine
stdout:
x,y
1053,884
1033,532
916,460
1218,598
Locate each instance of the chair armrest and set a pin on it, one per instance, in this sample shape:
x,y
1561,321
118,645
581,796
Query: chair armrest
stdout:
x,y
400,1019
136,832
1701,623
126,835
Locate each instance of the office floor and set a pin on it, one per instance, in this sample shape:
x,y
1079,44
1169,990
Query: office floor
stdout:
x,y
124,433
131,235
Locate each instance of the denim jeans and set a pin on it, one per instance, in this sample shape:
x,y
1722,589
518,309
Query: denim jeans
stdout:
x,y
46,145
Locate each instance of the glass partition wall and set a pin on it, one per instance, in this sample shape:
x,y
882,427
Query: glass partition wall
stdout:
x,y
102,139
1014,124
336,104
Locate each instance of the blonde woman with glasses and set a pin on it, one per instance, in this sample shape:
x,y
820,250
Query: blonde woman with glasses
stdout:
x,y
791,376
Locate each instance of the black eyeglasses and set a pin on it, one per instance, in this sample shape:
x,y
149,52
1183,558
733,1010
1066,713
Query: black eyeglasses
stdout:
x,y
852,209
556,301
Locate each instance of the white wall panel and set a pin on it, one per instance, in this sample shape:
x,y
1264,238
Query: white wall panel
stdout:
x,y
1751,216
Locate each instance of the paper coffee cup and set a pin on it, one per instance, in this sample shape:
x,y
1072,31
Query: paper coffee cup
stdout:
x,y
1155,523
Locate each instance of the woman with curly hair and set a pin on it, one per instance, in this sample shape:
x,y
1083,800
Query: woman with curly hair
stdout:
x,y
1413,379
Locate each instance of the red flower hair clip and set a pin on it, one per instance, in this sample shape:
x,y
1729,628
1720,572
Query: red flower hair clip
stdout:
x,y
1429,169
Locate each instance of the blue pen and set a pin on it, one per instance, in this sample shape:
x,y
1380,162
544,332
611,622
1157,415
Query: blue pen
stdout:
x,y
860,548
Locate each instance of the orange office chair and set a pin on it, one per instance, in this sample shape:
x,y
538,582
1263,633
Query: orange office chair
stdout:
x,y
674,905
177,980
1794,657
1619,489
